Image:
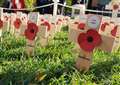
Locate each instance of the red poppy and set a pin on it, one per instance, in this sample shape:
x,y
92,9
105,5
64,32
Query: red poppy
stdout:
x,y
1,24
114,31
81,26
17,23
103,26
88,41
46,24
31,31
115,7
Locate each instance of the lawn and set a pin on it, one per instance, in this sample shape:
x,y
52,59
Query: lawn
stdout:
x,y
54,64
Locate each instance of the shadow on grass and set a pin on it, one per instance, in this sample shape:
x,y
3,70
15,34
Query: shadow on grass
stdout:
x,y
103,70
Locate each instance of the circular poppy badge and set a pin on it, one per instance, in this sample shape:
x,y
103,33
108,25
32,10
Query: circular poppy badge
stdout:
x,y
17,23
81,26
89,40
31,31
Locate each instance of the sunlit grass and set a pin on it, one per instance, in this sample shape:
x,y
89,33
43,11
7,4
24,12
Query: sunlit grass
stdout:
x,y
54,64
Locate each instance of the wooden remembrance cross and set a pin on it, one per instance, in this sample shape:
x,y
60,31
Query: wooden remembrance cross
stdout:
x,y
45,27
31,32
88,38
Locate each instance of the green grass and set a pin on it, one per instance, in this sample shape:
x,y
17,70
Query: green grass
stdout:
x,y
54,64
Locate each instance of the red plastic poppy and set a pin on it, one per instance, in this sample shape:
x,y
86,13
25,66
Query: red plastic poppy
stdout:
x,y
114,31
115,7
47,24
17,23
31,31
1,24
88,41
81,26
103,26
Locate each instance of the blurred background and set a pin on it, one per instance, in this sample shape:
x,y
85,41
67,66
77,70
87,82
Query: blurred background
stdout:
x,y
90,4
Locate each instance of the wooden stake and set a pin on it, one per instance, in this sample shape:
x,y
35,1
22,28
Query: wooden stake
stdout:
x,y
84,60
43,36
12,19
30,47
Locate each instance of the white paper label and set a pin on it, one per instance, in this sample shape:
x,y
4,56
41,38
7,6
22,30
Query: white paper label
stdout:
x,y
83,18
93,21
33,17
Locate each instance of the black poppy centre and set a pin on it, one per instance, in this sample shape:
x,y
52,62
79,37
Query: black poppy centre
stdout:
x,y
90,39
32,30
18,23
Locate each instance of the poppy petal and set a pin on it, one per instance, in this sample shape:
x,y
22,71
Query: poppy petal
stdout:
x,y
89,47
81,26
81,37
103,26
17,23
